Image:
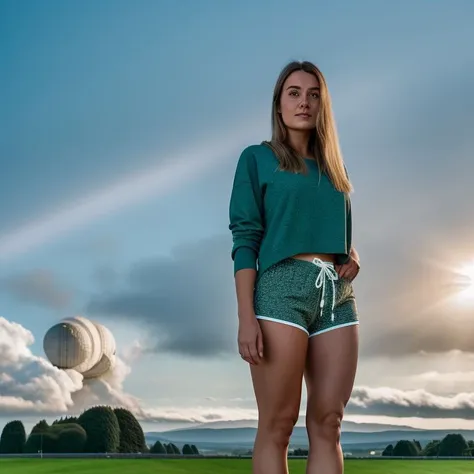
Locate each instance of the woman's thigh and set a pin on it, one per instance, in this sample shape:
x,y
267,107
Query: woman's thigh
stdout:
x,y
277,380
330,371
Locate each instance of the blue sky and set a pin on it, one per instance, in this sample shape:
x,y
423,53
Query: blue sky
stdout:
x,y
120,127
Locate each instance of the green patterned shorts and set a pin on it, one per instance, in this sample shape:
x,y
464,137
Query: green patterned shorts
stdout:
x,y
306,295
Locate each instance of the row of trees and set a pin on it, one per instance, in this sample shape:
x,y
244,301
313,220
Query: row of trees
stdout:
x,y
159,448
451,445
99,429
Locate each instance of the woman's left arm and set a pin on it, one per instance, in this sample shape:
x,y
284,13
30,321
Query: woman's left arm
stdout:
x,y
351,268
354,254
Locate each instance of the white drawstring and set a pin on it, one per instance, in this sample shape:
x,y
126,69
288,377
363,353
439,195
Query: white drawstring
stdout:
x,y
327,271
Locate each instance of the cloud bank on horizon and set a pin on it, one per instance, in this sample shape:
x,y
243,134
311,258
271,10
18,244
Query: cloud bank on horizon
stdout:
x,y
31,386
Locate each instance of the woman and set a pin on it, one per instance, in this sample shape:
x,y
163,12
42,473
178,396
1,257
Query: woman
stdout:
x,y
290,212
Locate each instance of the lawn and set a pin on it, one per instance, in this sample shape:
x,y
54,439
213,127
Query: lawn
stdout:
x,y
224,466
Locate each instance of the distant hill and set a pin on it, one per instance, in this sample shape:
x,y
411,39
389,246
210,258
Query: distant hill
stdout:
x,y
355,437
346,426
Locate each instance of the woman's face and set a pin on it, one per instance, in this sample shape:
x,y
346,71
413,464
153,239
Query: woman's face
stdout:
x,y
299,101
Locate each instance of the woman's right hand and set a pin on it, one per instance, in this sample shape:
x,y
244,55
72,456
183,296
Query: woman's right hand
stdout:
x,y
250,339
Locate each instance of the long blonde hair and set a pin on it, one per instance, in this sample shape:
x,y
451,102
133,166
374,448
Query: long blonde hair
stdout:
x,y
323,141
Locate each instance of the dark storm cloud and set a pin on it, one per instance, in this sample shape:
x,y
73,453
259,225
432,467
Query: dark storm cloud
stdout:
x,y
185,303
38,287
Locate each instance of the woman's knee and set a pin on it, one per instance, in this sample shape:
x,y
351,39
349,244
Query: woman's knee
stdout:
x,y
278,427
325,426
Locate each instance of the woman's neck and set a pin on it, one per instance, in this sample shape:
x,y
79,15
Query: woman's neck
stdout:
x,y
299,141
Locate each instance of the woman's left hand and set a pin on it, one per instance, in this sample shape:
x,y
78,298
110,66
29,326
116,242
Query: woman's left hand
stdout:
x,y
350,269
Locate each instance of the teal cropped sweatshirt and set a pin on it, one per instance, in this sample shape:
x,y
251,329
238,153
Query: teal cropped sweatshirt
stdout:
x,y
276,214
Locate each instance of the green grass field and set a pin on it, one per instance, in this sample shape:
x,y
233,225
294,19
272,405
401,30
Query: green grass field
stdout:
x,y
218,466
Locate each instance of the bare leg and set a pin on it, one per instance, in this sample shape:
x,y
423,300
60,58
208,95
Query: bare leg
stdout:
x,y
277,382
330,373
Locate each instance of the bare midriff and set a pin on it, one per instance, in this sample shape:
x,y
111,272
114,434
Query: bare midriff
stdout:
x,y
309,257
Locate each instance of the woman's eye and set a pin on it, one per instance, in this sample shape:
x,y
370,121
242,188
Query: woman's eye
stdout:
x,y
314,95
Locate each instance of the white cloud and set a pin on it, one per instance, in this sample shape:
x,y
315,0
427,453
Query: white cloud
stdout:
x,y
30,384
133,352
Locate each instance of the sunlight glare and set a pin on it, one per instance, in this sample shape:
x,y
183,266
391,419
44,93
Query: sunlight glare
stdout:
x,y
467,282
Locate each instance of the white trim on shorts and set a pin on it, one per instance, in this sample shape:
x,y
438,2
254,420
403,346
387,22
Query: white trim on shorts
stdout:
x,y
281,321
352,323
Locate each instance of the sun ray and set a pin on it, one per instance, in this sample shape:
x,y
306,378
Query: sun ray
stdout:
x,y
171,172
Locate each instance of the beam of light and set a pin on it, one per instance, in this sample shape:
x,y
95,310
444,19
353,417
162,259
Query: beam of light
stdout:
x,y
354,96
186,165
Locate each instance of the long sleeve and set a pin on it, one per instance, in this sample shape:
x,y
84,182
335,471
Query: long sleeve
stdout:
x,y
246,213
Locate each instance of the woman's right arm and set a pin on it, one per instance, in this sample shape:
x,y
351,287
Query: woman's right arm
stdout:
x,y
244,287
246,225
250,337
